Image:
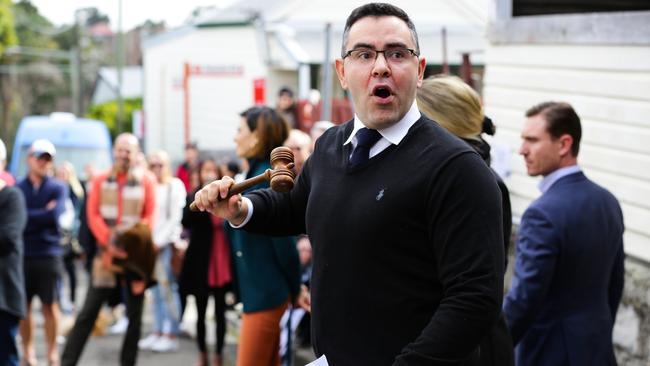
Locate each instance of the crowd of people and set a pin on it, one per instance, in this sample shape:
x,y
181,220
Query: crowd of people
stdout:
x,y
140,203
391,246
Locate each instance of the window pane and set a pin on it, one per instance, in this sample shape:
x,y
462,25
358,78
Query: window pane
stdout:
x,y
547,7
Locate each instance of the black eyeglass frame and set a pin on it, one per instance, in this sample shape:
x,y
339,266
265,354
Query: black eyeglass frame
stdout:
x,y
377,52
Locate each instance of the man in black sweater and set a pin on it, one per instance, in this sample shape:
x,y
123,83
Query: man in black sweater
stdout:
x,y
404,219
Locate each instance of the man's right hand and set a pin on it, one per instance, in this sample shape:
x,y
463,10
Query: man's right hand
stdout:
x,y
211,198
110,252
116,252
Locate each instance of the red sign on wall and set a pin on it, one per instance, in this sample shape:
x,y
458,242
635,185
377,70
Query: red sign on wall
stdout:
x,y
259,88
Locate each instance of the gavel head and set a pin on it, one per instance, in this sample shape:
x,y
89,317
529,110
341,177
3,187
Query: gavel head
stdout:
x,y
282,175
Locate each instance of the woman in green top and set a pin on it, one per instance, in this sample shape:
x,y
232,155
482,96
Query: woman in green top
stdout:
x,y
268,269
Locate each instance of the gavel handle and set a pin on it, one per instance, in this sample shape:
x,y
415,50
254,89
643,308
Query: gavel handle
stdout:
x,y
242,186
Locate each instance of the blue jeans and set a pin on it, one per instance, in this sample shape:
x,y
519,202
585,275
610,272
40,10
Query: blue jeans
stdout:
x,y
166,300
8,330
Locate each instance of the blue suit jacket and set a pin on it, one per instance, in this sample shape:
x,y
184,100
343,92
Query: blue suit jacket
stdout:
x,y
568,276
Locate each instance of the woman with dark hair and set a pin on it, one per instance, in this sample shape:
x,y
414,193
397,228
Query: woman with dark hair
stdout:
x,y
267,268
206,269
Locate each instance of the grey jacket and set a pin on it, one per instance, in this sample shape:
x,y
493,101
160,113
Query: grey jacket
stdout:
x,y
13,218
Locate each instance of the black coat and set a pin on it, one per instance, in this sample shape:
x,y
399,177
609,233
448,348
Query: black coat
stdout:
x,y
193,278
496,346
13,218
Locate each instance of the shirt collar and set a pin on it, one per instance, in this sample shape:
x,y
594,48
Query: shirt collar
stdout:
x,y
550,179
395,133
29,181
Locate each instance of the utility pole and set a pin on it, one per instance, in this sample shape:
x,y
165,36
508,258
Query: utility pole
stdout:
x,y
445,62
326,110
120,65
75,81
76,72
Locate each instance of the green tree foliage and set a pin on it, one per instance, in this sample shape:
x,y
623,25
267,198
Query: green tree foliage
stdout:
x,y
7,30
32,28
44,82
107,112
7,39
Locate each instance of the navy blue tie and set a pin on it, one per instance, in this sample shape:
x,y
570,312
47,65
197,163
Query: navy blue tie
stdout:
x,y
366,138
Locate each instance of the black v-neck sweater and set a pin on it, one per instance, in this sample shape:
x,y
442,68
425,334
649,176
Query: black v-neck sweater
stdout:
x,y
407,248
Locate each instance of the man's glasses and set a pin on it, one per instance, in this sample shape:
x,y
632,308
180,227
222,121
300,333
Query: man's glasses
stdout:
x,y
368,56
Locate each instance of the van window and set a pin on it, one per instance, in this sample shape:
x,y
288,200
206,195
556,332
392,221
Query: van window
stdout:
x,y
78,156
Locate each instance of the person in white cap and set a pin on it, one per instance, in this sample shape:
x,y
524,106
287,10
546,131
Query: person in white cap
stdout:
x,y
45,199
7,178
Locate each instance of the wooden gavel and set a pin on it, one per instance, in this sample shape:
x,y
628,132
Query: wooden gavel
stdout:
x,y
280,177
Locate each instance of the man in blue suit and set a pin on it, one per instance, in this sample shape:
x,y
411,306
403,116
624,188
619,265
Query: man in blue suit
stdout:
x,y
568,278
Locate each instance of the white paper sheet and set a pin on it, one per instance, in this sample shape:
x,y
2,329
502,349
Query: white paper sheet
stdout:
x,y
321,361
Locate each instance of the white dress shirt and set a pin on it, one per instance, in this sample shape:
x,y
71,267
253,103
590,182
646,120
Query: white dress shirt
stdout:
x,y
392,135
550,179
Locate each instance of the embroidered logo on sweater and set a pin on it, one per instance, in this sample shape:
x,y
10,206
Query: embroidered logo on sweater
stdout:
x,y
380,195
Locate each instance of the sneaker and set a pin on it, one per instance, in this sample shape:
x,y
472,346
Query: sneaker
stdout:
x,y
120,326
165,344
146,343
68,309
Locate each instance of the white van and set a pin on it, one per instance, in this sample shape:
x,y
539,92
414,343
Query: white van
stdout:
x,y
80,141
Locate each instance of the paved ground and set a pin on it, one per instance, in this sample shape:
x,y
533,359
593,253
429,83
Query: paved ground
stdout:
x,y
105,350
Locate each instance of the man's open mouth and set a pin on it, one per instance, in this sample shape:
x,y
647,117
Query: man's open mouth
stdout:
x,y
382,92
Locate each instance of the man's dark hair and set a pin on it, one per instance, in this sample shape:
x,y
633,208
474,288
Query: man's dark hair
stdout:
x,y
285,90
560,119
378,10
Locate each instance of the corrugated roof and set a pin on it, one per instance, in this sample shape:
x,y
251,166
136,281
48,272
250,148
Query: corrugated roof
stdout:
x,y
464,20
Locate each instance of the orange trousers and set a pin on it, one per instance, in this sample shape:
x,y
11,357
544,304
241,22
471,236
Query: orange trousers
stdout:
x,y
259,338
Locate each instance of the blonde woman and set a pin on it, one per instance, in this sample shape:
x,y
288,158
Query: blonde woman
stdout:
x,y
170,200
456,107
69,224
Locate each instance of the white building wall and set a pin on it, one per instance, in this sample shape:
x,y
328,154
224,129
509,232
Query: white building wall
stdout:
x,y
215,99
609,86
278,79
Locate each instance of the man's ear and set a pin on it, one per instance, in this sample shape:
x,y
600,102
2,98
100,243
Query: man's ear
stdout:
x,y
422,64
340,72
566,143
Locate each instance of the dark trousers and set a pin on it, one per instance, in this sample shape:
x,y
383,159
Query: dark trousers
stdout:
x,y
86,321
8,329
68,264
219,295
